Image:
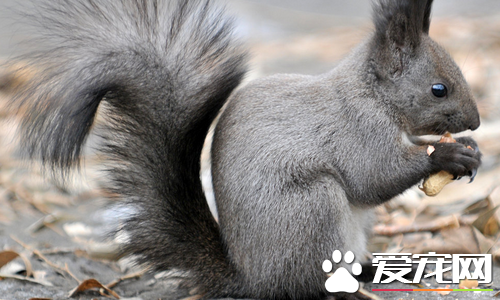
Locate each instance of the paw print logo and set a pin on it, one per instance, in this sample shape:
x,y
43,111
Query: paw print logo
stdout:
x,y
341,280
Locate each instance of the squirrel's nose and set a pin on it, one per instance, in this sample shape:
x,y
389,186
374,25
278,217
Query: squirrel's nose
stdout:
x,y
475,122
473,115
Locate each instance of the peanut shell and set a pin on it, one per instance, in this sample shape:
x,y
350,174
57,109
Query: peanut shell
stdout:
x,y
436,182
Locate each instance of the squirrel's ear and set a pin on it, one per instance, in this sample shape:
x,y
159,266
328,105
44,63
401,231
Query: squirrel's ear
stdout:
x,y
427,17
401,22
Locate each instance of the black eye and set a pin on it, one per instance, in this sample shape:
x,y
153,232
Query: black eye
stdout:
x,y
439,90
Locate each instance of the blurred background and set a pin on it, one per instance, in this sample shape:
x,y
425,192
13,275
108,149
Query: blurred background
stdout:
x,y
66,224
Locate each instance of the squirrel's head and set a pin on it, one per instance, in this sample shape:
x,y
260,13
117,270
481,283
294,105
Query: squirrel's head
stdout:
x,y
418,78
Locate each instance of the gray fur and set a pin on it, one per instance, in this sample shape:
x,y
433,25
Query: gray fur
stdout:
x,y
298,161
160,71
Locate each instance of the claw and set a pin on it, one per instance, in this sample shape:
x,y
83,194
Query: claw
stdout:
x,y
473,174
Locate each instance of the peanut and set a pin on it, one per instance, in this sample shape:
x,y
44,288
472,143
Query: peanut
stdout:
x,y
436,182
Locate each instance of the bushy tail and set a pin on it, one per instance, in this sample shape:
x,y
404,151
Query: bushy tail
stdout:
x,y
163,69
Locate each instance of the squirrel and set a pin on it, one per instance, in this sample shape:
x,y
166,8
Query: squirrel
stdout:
x,y
298,162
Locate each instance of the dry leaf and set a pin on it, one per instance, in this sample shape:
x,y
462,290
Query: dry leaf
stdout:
x,y
494,198
485,244
487,223
461,240
6,257
468,284
444,293
92,284
411,239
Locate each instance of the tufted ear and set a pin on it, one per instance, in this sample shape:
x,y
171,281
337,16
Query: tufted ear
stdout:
x,y
427,17
401,22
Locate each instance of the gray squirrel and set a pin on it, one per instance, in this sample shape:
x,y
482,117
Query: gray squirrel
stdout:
x,y
298,162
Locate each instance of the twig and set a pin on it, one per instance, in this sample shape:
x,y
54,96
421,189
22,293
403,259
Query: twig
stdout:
x,y
55,229
44,283
71,274
436,225
372,296
195,297
46,221
44,258
113,283
23,195
60,251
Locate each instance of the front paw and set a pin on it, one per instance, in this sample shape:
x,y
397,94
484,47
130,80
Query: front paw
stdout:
x,y
468,142
459,159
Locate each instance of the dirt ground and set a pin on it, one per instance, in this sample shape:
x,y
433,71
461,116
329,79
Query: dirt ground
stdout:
x,y
56,237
